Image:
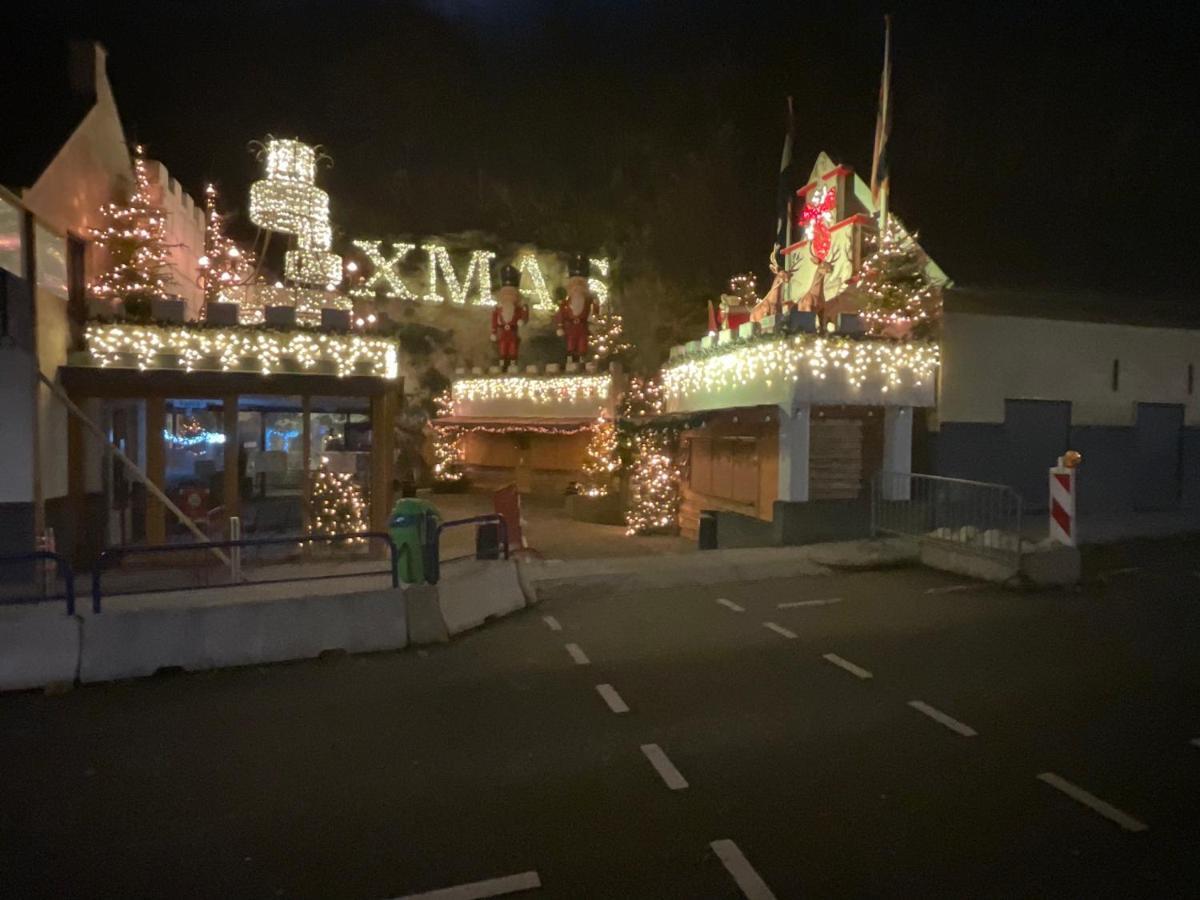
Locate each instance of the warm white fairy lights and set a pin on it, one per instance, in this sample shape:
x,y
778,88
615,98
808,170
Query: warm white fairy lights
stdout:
x,y
226,349
536,389
134,234
537,295
287,200
654,483
385,271
602,459
788,358
338,506
447,455
479,270
599,288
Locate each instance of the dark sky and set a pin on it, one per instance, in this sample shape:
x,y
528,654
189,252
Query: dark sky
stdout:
x,y
1048,144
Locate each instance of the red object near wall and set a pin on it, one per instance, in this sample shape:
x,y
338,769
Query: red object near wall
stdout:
x,y
507,503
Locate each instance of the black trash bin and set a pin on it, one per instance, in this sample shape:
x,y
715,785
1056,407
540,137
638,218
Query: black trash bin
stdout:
x,y
707,536
487,541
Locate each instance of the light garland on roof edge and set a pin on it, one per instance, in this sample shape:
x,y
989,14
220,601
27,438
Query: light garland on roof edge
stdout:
x,y
569,388
107,343
788,358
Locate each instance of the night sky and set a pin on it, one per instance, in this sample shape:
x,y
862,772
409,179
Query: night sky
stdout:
x,y
1035,145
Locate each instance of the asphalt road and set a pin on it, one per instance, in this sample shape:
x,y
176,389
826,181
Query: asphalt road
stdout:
x,y
729,756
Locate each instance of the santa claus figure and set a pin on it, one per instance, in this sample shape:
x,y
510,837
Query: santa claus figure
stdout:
x,y
508,316
575,310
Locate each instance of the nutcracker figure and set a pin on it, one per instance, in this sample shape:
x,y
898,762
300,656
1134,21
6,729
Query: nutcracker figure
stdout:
x,y
575,311
508,316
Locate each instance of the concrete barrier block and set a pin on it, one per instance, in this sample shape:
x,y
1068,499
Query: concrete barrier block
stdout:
x,y
39,645
963,561
424,611
140,642
1053,566
473,590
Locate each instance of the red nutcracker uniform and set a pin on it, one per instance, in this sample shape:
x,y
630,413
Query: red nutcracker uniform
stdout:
x,y
507,317
575,311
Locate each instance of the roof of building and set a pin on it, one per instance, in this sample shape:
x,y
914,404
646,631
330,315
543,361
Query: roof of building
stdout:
x,y
42,108
1080,306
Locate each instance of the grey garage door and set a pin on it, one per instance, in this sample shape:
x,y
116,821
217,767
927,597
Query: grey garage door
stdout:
x,y
1036,435
1158,438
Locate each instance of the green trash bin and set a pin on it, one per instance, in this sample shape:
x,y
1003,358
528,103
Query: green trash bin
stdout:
x,y
409,526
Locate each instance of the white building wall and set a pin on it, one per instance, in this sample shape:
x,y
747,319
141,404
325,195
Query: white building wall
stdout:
x,y
185,236
988,359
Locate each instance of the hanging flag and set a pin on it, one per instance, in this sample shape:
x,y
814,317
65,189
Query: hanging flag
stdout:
x,y
880,172
783,200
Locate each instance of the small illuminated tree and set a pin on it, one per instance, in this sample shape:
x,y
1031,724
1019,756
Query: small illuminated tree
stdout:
x,y
447,455
607,340
134,234
654,483
224,264
900,297
602,460
337,502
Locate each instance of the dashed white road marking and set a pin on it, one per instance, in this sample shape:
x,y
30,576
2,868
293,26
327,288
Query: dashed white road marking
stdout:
x,y
796,603
952,588
1110,812
1127,570
577,654
750,882
779,629
612,698
552,622
848,666
476,890
938,716
665,768
729,604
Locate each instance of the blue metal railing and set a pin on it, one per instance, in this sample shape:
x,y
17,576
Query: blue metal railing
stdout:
x,y
113,554
433,549
64,572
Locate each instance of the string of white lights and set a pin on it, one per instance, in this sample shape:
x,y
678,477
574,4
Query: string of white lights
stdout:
x,y
537,389
227,348
479,269
789,357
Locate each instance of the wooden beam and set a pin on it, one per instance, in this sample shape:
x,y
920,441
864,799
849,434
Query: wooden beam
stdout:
x,y
382,460
76,492
306,460
156,468
92,381
231,482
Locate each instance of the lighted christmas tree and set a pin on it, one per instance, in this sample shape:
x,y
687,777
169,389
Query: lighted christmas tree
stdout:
x,y
337,503
608,335
602,459
224,265
447,455
901,300
134,234
654,484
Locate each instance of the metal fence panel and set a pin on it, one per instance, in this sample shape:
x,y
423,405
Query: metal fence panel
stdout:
x,y
976,516
162,568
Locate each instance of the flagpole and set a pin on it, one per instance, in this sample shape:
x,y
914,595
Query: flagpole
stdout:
x,y
884,184
791,137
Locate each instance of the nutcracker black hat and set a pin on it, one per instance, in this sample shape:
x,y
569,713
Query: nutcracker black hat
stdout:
x,y
510,276
579,266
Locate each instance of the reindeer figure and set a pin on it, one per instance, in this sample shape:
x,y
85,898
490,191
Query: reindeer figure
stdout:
x,y
814,297
772,302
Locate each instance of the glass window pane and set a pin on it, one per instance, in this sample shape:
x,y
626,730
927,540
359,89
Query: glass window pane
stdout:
x,y
10,239
51,261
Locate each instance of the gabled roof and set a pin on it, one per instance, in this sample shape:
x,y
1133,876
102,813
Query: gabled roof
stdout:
x,y
860,202
53,91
